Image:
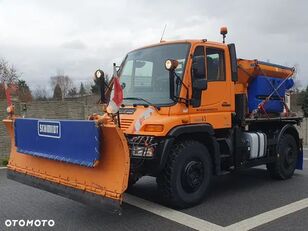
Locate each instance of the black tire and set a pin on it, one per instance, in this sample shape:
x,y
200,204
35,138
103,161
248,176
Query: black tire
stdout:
x,y
187,174
285,164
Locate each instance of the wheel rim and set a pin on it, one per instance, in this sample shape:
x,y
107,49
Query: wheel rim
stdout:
x,y
192,176
290,156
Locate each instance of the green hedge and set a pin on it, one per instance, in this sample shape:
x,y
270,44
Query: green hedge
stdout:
x,y
4,161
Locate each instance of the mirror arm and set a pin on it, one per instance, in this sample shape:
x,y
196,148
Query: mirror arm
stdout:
x,y
186,100
180,80
171,85
172,75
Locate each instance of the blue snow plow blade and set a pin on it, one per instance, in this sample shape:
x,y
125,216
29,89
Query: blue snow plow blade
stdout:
x,y
72,141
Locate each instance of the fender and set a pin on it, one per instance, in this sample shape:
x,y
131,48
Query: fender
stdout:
x,y
186,130
288,128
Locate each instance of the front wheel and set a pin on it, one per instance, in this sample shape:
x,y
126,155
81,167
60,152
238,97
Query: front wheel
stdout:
x,y
186,176
285,164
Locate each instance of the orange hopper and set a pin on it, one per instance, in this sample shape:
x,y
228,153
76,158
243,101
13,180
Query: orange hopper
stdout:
x,y
251,68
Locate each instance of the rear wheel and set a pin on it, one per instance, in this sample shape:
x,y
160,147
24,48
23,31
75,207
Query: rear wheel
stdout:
x,y
285,164
186,177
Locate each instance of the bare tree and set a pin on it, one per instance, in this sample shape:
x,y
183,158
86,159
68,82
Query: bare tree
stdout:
x,y
40,93
87,86
8,72
64,81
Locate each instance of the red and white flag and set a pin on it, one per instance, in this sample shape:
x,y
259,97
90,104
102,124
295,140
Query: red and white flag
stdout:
x,y
117,98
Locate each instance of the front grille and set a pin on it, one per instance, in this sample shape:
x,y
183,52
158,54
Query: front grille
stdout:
x,y
125,123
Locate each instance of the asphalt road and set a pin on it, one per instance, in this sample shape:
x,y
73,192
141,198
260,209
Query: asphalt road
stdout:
x,y
231,199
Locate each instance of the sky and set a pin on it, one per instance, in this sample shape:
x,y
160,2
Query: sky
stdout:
x,y
75,37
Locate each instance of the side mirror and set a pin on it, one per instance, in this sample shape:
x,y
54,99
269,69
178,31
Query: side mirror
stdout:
x,y
199,79
200,84
198,67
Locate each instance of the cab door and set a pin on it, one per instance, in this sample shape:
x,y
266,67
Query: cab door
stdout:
x,y
217,97
217,101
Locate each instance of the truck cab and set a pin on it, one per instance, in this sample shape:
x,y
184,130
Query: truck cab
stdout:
x,y
143,75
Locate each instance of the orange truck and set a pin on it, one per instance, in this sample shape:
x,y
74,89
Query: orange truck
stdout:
x,y
191,110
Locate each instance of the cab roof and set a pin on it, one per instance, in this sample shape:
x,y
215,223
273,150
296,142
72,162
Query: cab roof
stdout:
x,y
191,41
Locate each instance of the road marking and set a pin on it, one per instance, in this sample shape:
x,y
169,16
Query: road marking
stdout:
x,y
269,216
171,214
3,167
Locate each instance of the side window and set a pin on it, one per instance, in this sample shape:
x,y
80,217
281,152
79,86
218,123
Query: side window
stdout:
x,y
215,62
198,65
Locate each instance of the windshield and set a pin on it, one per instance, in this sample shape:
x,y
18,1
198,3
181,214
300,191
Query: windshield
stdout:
x,y
143,74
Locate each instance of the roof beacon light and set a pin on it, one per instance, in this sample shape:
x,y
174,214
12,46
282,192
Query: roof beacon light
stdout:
x,y
223,32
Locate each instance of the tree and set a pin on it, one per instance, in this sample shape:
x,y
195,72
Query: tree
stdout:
x,y
87,86
8,73
17,87
40,94
57,93
82,90
303,101
65,83
23,91
72,92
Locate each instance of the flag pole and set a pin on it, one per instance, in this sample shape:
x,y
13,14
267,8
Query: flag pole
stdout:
x,y
10,107
115,74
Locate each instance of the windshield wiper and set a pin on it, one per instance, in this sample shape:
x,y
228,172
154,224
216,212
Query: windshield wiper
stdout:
x,y
140,99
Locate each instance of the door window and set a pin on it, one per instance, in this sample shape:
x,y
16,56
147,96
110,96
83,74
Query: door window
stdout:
x,y
215,64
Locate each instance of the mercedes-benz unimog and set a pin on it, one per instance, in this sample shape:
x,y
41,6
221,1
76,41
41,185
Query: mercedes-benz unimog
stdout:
x,y
190,110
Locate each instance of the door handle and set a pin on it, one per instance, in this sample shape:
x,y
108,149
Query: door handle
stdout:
x,y
226,104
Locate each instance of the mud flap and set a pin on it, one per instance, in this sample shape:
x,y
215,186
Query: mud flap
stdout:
x,y
107,179
300,157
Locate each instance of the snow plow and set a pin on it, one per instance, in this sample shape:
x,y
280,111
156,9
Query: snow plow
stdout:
x,y
81,160
180,111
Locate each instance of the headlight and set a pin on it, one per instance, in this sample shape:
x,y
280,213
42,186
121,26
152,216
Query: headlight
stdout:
x,y
142,146
142,151
99,74
171,64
